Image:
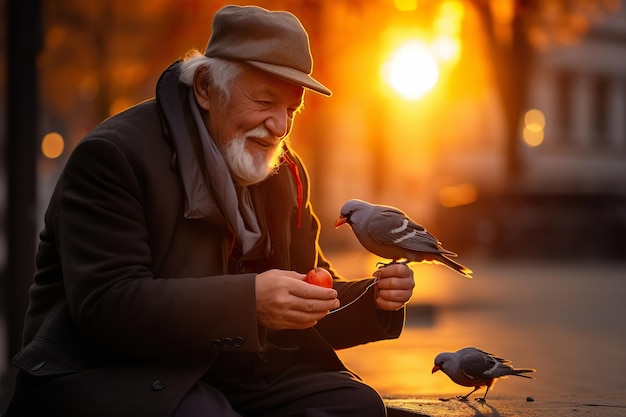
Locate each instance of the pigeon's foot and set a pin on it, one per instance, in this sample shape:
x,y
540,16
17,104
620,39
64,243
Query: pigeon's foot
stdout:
x,y
481,400
462,397
383,264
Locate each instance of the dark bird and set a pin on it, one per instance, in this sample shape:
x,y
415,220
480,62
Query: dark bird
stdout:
x,y
472,367
389,233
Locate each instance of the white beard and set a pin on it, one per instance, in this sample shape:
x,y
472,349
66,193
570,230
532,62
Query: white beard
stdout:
x,y
251,167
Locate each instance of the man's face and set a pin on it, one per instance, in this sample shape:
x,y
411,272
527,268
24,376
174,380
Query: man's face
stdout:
x,y
251,128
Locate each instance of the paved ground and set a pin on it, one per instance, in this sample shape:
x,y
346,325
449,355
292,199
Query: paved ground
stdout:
x,y
565,319
600,406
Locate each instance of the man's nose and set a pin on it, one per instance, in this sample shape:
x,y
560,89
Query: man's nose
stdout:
x,y
279,123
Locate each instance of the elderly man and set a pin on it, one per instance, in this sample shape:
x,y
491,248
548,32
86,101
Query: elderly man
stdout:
x,y
170,271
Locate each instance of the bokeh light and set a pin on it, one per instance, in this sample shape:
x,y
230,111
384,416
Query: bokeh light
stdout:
x,y
534,124
52,145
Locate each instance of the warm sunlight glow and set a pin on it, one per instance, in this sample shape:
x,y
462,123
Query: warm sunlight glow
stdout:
x,y
457,195
534,124
405,5
411,70
447,31
52,145
503,12
449,17
88,87
447,49
119,105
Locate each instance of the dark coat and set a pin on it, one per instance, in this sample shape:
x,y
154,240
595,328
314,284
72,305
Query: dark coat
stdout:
x,y
133,300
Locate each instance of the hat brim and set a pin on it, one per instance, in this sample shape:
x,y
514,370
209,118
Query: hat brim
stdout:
x,y
292,75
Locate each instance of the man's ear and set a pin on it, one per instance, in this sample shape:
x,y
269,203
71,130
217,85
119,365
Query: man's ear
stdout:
x,y
202,87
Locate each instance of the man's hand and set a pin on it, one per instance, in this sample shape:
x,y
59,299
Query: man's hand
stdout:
x,y
285,301
394,287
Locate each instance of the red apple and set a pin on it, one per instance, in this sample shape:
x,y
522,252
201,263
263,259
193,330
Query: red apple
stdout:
x,y
319,276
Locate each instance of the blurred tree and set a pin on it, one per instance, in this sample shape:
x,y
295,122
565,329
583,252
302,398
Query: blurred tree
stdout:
x,y
102,56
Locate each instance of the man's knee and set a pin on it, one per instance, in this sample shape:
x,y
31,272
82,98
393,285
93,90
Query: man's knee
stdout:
x,y
348,396
366,400
204,401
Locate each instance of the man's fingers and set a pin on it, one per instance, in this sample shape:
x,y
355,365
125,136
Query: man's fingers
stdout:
x,y
308,305
394,295
388,305
295,319
393,270
311,291
391,300
394,283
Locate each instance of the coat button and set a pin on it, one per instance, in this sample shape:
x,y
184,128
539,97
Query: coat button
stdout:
x,y
158,385
238,342
227,343
216,344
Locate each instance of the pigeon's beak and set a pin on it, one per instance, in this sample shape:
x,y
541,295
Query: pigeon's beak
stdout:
x,y
435,369
341,220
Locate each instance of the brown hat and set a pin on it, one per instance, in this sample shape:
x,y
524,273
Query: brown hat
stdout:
x,y
275,42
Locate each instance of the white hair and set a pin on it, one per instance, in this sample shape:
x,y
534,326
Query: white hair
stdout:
x,y
220,72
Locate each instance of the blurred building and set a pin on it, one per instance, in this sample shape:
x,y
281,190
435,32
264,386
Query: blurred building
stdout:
x,y
581,90
570,198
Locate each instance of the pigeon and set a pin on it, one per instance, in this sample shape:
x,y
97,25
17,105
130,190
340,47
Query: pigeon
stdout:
x,y
389,233
472,367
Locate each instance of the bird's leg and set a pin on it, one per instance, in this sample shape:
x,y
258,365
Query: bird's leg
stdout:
x,y
395,261
465,397
482,400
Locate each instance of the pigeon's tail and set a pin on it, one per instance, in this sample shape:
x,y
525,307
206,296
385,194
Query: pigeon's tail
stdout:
x,y
463,270
521,372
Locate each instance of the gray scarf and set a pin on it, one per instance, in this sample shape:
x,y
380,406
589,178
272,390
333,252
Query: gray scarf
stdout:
x,y
234,201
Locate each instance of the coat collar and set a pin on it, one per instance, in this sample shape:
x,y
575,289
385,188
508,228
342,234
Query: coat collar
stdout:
x,y
173,100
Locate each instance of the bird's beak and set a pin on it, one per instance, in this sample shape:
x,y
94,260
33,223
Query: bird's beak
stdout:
x,y
435,369
341,220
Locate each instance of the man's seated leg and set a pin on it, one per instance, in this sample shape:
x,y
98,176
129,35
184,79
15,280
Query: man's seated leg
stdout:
x,y
310,394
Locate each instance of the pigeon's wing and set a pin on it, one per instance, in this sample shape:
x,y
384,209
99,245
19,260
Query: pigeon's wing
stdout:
x,y
477,364
387,225
393,227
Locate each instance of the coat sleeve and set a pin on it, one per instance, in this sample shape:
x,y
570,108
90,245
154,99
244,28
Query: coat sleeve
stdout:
x,y
100,229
